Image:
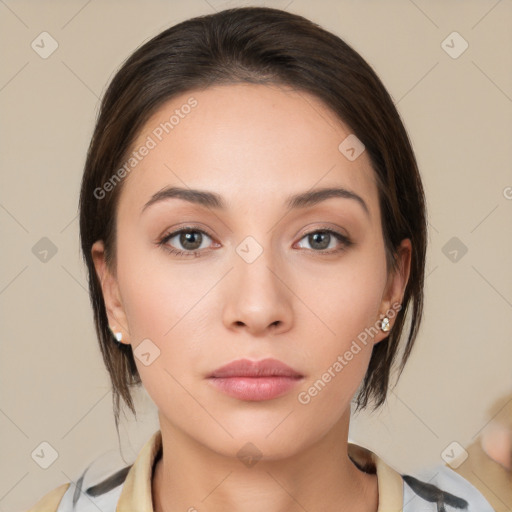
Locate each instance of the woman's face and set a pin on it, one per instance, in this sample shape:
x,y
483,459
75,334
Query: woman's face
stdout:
x,y
266,278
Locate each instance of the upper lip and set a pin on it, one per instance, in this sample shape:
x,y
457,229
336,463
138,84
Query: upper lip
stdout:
x,y
247,368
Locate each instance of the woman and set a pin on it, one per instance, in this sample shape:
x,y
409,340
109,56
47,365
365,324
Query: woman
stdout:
x,y
253,223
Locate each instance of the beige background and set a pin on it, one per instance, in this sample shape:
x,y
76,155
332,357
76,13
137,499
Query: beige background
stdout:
x,y
459,116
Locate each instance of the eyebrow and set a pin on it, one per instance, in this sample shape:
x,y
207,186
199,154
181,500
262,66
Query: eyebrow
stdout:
x,y
215,201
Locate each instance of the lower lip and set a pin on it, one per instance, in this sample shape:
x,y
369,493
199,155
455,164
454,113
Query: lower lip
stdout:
x,y
255,388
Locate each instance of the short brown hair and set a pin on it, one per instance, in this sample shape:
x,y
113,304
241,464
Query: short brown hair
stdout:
x,y
264,46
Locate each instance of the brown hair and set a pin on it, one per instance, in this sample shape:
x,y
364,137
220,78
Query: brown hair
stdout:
x,y
265,46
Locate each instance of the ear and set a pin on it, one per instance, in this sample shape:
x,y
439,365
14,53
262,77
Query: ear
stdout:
x,y
395,286
113,304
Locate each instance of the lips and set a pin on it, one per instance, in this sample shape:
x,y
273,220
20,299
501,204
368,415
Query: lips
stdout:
x,y
255,381
264,368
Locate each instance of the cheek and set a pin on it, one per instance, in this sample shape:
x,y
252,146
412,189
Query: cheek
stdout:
x,y
345,299
346,306
156,292
170,304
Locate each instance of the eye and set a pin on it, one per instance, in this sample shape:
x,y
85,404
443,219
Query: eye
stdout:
x,y
190,242
323,239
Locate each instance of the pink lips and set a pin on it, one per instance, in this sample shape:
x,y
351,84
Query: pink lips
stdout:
x,y
255,380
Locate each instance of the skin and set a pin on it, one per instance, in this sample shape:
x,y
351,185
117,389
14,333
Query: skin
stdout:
x,y
254,145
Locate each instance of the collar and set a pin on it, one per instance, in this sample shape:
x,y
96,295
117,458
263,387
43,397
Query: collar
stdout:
x,y
136,491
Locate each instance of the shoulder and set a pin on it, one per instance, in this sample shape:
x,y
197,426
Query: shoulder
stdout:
x,y
108,481
97,488
439,486
434,488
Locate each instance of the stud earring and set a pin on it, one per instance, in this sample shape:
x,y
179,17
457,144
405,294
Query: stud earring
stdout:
x,y
384,324
117,335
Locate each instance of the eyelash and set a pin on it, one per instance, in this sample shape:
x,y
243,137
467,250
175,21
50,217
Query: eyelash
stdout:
x,y
191,229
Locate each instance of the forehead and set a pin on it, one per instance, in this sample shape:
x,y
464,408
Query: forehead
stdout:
x,y
245,141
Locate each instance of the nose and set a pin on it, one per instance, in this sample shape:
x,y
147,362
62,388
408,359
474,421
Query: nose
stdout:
x,y
257,297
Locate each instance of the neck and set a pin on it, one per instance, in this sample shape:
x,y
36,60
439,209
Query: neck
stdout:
x,y
190,476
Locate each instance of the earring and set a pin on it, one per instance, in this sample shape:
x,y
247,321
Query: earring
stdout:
x,y
384,324
117,335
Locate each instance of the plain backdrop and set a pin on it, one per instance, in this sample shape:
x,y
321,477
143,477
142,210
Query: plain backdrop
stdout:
x,y
458,112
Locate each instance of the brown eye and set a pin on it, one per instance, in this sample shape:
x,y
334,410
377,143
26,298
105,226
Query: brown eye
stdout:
x,y
190,240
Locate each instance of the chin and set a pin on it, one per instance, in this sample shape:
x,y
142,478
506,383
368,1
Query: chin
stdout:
x,y
257,442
